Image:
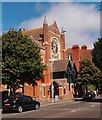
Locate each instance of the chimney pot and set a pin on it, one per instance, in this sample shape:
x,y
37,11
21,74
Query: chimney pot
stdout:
x,y
75,46
84,47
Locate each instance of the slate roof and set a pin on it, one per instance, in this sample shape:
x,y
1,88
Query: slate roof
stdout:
x,y
60,65
35,33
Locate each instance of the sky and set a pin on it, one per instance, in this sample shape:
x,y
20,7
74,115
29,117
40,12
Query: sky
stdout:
x,y
51,0
80,20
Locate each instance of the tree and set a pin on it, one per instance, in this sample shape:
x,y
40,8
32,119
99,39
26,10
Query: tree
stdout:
x,y
97,53
21,60
89,74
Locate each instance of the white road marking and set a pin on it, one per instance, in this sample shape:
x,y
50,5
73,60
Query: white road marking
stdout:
x,y
73,111
85,109
92,105
77,102
95,103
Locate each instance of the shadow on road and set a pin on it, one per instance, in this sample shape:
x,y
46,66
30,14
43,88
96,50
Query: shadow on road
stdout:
x,y
94,100
9,112
14,111
89,100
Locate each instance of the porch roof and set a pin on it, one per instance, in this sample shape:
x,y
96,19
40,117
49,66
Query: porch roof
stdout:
x,y
59,83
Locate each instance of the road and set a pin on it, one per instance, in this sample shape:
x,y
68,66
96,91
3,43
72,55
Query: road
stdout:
x,y
66,109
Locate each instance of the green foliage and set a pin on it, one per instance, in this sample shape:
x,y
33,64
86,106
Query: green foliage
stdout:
x,y
89,74
97,53
91,88
21,60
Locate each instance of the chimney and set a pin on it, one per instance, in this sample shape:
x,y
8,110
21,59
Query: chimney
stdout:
x,y
63,39
21,29
76,55
84,47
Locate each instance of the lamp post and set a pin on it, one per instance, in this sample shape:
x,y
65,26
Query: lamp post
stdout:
x,y
52,86
51,71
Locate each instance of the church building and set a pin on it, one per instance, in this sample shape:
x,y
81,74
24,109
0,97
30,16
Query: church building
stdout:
x,y
52,44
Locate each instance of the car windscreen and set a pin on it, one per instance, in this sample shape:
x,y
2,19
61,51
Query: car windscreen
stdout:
x,y
10,99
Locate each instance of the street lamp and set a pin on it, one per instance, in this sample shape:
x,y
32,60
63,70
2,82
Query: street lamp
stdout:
x,y
52,86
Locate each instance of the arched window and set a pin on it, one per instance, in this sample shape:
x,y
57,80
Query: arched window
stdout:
x,y
55,49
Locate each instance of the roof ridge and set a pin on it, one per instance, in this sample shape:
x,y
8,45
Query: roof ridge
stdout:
x,y
34,29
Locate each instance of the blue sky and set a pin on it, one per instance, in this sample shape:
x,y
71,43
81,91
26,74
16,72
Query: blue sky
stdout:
x,y
29,15
51,0
14,13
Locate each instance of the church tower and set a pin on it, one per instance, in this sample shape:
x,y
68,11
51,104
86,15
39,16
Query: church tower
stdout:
x,y
46,43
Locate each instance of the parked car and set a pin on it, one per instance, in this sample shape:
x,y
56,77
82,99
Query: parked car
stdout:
x,y
20,103
79,94
89,95
4,95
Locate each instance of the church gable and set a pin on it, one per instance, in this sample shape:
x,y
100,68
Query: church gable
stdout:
x,y
54,29
48,34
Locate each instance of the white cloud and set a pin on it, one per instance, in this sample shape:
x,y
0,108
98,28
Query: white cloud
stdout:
x,y
81,21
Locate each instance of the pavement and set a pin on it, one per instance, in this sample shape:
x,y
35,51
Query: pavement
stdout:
x,y
44,103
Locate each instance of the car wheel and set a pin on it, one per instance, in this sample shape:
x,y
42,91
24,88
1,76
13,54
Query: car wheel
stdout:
x,y
37,107
20,109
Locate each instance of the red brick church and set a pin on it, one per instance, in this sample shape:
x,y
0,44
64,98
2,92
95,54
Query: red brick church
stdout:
x,y
53,52
52,44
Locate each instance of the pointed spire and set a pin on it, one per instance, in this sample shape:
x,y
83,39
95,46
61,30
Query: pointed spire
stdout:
x,y
45,20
